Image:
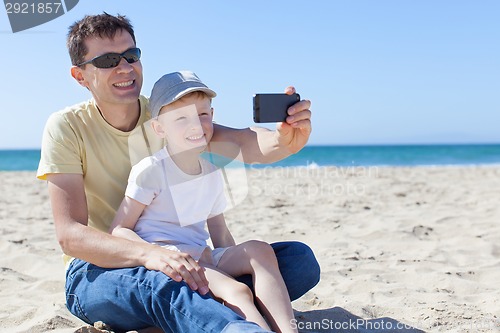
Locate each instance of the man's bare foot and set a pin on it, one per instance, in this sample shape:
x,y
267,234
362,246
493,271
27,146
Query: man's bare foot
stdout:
x,y
100,327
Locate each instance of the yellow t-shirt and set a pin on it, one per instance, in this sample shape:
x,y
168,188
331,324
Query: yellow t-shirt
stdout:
x,y
79,140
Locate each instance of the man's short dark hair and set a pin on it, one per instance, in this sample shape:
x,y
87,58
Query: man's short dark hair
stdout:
x,y
102,25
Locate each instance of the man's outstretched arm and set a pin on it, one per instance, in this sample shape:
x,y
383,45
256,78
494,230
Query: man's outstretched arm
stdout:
x,y
261,145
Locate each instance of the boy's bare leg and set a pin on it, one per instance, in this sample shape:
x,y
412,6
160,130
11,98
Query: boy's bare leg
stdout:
x,y
235,295
258,258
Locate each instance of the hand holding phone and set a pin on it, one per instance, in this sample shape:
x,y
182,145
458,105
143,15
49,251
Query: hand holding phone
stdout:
x,y
271,108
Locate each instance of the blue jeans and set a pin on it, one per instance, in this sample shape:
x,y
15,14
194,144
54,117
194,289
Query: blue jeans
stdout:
x,y
135,298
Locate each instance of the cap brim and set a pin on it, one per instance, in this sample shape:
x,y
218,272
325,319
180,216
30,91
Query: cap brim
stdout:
x,y
210,93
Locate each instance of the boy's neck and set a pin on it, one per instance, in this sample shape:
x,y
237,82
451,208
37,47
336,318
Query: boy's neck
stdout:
x,y
187,161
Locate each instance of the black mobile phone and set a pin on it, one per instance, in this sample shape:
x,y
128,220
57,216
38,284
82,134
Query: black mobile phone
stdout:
x,y
272,108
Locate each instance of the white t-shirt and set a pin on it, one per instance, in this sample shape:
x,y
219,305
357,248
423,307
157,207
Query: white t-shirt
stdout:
x,y
177,204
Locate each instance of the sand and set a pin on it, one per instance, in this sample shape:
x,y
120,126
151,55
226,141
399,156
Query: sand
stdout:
x,y
413,246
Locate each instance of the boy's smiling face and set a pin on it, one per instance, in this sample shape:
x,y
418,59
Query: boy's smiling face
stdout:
x,y
186,123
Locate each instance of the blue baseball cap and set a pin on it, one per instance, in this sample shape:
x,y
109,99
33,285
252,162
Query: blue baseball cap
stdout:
x,y
173,86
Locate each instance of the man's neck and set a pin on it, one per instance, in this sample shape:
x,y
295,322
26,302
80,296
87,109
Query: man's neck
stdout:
x,y
123,117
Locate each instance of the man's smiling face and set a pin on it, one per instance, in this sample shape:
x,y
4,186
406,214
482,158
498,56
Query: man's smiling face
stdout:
x,y
109,86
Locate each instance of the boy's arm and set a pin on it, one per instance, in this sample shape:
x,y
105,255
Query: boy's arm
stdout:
x,y
69,207
219,233
260,145
126,218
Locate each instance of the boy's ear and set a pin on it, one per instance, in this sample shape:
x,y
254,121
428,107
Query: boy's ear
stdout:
x,y
76,73
158,128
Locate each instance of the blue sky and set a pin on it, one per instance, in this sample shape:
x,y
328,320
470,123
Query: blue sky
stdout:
x,y
377,72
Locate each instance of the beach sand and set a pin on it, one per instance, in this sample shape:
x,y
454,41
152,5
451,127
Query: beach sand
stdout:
x,y
414,246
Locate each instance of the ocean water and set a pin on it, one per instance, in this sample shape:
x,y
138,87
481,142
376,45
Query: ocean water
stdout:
x,y
19,160
396,155
387,155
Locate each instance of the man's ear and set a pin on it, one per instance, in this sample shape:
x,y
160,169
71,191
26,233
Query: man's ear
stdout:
x,y
158,128
76,73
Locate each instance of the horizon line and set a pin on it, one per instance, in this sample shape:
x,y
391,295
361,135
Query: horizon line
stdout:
x,y
488,143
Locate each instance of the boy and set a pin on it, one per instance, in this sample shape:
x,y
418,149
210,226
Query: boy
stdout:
x,y
174,192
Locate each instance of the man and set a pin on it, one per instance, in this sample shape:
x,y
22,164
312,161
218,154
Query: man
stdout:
x,y
86,161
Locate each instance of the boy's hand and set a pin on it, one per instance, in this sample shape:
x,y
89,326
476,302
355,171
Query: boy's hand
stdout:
x,y
179,266
295,132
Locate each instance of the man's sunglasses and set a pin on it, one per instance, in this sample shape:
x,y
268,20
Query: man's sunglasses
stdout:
x,y
110,60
